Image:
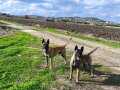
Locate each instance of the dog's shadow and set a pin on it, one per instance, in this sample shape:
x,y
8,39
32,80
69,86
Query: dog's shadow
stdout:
x,y
101,71
110,79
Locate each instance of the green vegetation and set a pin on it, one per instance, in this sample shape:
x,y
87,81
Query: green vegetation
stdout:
x,y
110,43
20,60
1,22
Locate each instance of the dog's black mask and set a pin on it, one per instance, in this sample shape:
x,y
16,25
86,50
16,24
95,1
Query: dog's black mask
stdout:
x,y
78,52
45,46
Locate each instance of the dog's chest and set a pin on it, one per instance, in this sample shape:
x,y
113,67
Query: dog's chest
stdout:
x,y
75,61
76,64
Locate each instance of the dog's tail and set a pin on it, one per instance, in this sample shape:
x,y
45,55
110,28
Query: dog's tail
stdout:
x,y
92,51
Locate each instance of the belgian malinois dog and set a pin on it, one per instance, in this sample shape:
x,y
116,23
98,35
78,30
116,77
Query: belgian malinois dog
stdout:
x,y
79,59
75,62
51,52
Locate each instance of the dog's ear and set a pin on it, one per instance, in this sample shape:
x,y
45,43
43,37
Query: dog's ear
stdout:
x,y
43,40
76,47
82,48
48,41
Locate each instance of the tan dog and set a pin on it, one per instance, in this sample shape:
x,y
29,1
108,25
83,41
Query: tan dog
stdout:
x,y
51,52
75,62
79,59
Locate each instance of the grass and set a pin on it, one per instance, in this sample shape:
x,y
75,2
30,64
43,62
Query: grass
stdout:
x,y
109,43
20,60
1,23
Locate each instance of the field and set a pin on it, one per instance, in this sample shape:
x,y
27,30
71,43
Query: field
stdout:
x,y
110,43
108,33
74,33
22,67
97,31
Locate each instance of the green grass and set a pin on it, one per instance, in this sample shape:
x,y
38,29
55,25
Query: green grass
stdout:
x,y
109,43
20,60
1,23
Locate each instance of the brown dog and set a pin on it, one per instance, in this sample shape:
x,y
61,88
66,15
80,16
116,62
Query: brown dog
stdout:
x,y
79,59
50,52
75,62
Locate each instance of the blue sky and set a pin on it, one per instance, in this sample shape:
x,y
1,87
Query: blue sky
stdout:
x,y
105,9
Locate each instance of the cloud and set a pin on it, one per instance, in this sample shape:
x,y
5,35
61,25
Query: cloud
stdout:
x,y
0,1
12,2
94,3
116,1
19,7
67,8
48,0
118,15
10,6
77,1
47,5
32,8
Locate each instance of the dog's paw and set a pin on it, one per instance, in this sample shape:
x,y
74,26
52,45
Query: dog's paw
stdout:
x,y
46,66
65,63
77,82
70,79
92,76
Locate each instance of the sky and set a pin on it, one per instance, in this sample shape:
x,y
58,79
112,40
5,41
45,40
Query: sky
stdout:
x,y
104,9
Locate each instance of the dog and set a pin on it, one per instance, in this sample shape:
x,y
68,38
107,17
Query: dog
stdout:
x,y
79,59
75,62
87,62
51,52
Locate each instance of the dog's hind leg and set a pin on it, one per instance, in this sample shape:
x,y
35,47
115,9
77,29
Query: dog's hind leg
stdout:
x,y
51,63
84,67
65,60
91,71
64,56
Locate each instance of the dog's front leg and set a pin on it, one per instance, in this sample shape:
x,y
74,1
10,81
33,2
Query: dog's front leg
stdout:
x,y
65,59
71,73
77,75
47,61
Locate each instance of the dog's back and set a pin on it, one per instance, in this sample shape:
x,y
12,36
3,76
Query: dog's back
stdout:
x,y
54,50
